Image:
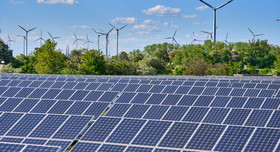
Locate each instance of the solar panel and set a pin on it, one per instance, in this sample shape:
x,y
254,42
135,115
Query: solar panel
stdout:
x,y
252,93
183,90
271,103
170,89
237,102
11,147
7,120
85,147
137,111
93,96
51,94
140,98
144,88
79,95
156,112
60,107
115,148
11,140
223,91
78,108
237,116
175,113
157,89
24,92
63,144
37,93
96,109
119,87
43,106
216,115
81,86
138,149
220,101
187,100
196,90
118,110
274,120
11,92
254,103
108,96
34,141
10,104
195,114
65,94
203,101
156,99
258,118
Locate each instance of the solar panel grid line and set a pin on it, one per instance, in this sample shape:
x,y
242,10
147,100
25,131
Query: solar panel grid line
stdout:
x,y
251,136
185,147
36,126
51,137
223,122
264,103
130,143
220,138
3,101
17,105
276,147
165,113
56,101
13,125
205,115
266,124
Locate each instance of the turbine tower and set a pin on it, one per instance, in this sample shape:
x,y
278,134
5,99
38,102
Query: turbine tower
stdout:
x,y
26,37
118,30
76,41
41,39
0,33
173,38
226,39
254,35
215,10
53,38
9,41
98,37
107,39
87,42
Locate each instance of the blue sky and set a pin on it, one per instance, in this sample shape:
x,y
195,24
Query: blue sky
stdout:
x,y
149,21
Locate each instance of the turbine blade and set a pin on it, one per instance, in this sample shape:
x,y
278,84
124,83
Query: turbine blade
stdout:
x,y
75,41
259,34
224,4
169,38
251,31
112,26
175,33
32,29
22,28
205,32
227,36
50,34
193,34
94,31
123,27
207,4
278,20
56,37
175,40
110,31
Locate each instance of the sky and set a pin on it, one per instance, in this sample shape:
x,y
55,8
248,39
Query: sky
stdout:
x,y
149,21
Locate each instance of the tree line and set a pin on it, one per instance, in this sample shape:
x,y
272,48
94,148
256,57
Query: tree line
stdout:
x,y
209,58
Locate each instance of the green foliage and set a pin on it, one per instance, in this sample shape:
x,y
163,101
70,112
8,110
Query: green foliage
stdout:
x,y
197,66
151,66
93,63
5,53
123,56
277,65
48,60
9,69
220,69
74,61
28,64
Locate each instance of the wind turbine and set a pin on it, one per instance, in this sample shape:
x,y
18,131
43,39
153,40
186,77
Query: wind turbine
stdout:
x,y
87,42
53,38
254,35
9,41
107,39
98,37
26,37
215,10
41,38
173,38
226,39
278,20
76,41
210,33
195,40
0,33
118,30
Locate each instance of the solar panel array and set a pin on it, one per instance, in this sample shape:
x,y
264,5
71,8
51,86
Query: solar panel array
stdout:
x,y
139,113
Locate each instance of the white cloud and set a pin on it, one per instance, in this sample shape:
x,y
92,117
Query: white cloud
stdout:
x,y
196,23
80,27
67,2
160,10
202,8
146,27
16,2
124,20
166,24
188,36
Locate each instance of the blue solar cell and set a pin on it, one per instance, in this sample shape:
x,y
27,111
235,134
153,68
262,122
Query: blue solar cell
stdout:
x,y
175,113
24,92
166,150
14,83
79,95
138,149
118,110
252,93
126,131
96,109
263,140
101,129
34,141
3,89
105,86
125,97
119,87
93,96
60,107
48,126
271,104
254,103
144,88
11,92
11,140
43,106
223,84
183,90
170,89
211,84
157,89
249,85
237,85
237,102
72,127
274,120
155,82
203,101
178,135
137,111
220,101
58,85
274,86
11,147
69,85
237,92
196,90
205,137
237,116
145,81
131,87
216,115
156,99
26,105
130,81
2,100
151,133
187,100
92,86
70,79
81,85
108,96
26,124
223,91
258,118
60,79
266,93
38,93
110,148
166,82
4,82
234,139
10,104
36,84
210,91
24,83
78,108
65,94
140,98
177,82
51,94
171,99
63,144
85,147
7,120
156,112
262,86
188,83
199,83
46,84
195,114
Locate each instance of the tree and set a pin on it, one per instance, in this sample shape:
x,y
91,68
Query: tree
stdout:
x,y
277,65
93,63
48,60
74,61
162,55
197,66
123,56
6,54
28,64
